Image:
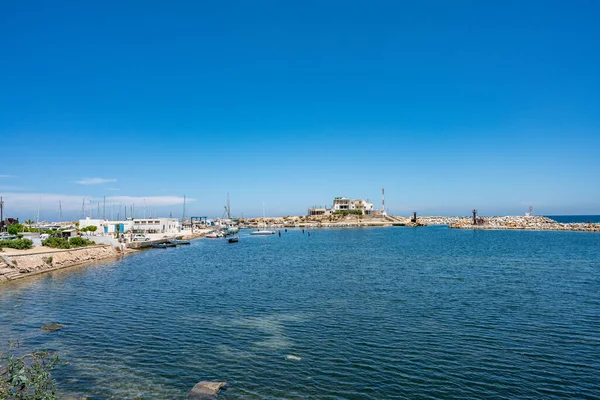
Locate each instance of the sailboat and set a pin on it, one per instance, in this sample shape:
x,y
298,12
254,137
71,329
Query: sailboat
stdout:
x,y
227,226
264,232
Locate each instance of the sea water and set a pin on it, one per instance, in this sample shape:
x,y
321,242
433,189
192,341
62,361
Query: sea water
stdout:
x,y
372,313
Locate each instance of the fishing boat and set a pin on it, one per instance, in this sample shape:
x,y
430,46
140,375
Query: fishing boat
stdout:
x,y
214,235
179,242
233,239
163,245
226,224
264,232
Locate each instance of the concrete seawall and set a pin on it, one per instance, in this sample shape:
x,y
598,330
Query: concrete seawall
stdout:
x,y
15,265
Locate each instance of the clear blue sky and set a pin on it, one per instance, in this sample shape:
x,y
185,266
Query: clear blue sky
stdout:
x,y
448,105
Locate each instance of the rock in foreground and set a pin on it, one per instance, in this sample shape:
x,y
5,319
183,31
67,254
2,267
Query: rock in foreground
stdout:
x,y
206,390
53,327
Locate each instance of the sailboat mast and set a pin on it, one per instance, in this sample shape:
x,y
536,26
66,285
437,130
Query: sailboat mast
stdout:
x,y
37,218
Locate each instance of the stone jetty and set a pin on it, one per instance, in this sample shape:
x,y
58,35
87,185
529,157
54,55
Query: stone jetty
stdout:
x,y
537,223
457,222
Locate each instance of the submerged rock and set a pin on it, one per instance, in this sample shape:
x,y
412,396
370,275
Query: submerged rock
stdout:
x,y
53,327
206,390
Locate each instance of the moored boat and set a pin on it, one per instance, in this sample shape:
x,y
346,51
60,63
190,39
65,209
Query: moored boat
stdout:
x,y
179,242
163,245
214,235
234,239
262,233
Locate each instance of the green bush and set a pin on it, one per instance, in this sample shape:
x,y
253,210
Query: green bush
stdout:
x,y
19,244
27,376
56,243
62,243
15,228
80,242
348,212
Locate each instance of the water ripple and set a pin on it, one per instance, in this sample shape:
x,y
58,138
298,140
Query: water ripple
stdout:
x,y
345,314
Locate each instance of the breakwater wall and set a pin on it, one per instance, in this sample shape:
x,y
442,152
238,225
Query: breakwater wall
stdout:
x,y
15,266
537,223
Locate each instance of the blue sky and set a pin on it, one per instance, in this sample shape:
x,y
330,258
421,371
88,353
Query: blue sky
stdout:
x,y
448,105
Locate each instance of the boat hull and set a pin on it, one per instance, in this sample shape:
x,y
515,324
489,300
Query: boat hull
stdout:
x,y
262,233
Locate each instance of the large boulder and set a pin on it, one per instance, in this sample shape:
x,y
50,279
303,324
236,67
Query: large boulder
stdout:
x,y
52,327
206,390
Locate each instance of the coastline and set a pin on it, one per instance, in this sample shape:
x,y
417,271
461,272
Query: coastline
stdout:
x,y
17,264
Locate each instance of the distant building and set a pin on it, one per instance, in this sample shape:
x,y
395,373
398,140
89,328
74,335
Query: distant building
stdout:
x,y
144,225
341,204
156,225
319,211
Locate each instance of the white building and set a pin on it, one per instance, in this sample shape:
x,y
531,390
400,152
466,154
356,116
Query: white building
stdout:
x,y
344,204
144,225
106,226
156,225
341,204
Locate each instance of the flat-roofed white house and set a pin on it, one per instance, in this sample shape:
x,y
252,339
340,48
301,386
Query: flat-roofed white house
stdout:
x,y
156,225
344,204
341,204
143,225
106,226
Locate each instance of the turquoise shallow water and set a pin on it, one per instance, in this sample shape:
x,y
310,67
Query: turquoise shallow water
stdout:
x,y
380,313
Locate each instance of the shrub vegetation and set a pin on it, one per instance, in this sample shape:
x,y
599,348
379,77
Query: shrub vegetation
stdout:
x,y
62,243
348,212
20,244
27,376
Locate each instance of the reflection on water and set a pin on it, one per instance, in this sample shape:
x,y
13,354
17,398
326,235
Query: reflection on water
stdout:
x,y
353,313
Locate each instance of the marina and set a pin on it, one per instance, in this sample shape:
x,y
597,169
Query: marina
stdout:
x,y
300,200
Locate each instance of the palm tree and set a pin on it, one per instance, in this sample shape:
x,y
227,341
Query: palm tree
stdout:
x,y
29,223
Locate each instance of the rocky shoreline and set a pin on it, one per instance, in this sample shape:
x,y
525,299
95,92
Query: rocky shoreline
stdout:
x,y
16,264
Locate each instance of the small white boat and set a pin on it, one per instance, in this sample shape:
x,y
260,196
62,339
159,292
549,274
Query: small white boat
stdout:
x,y
262,233
214,235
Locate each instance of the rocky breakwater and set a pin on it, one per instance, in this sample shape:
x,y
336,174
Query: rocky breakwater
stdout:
x,y
438,220
537,223
16,264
